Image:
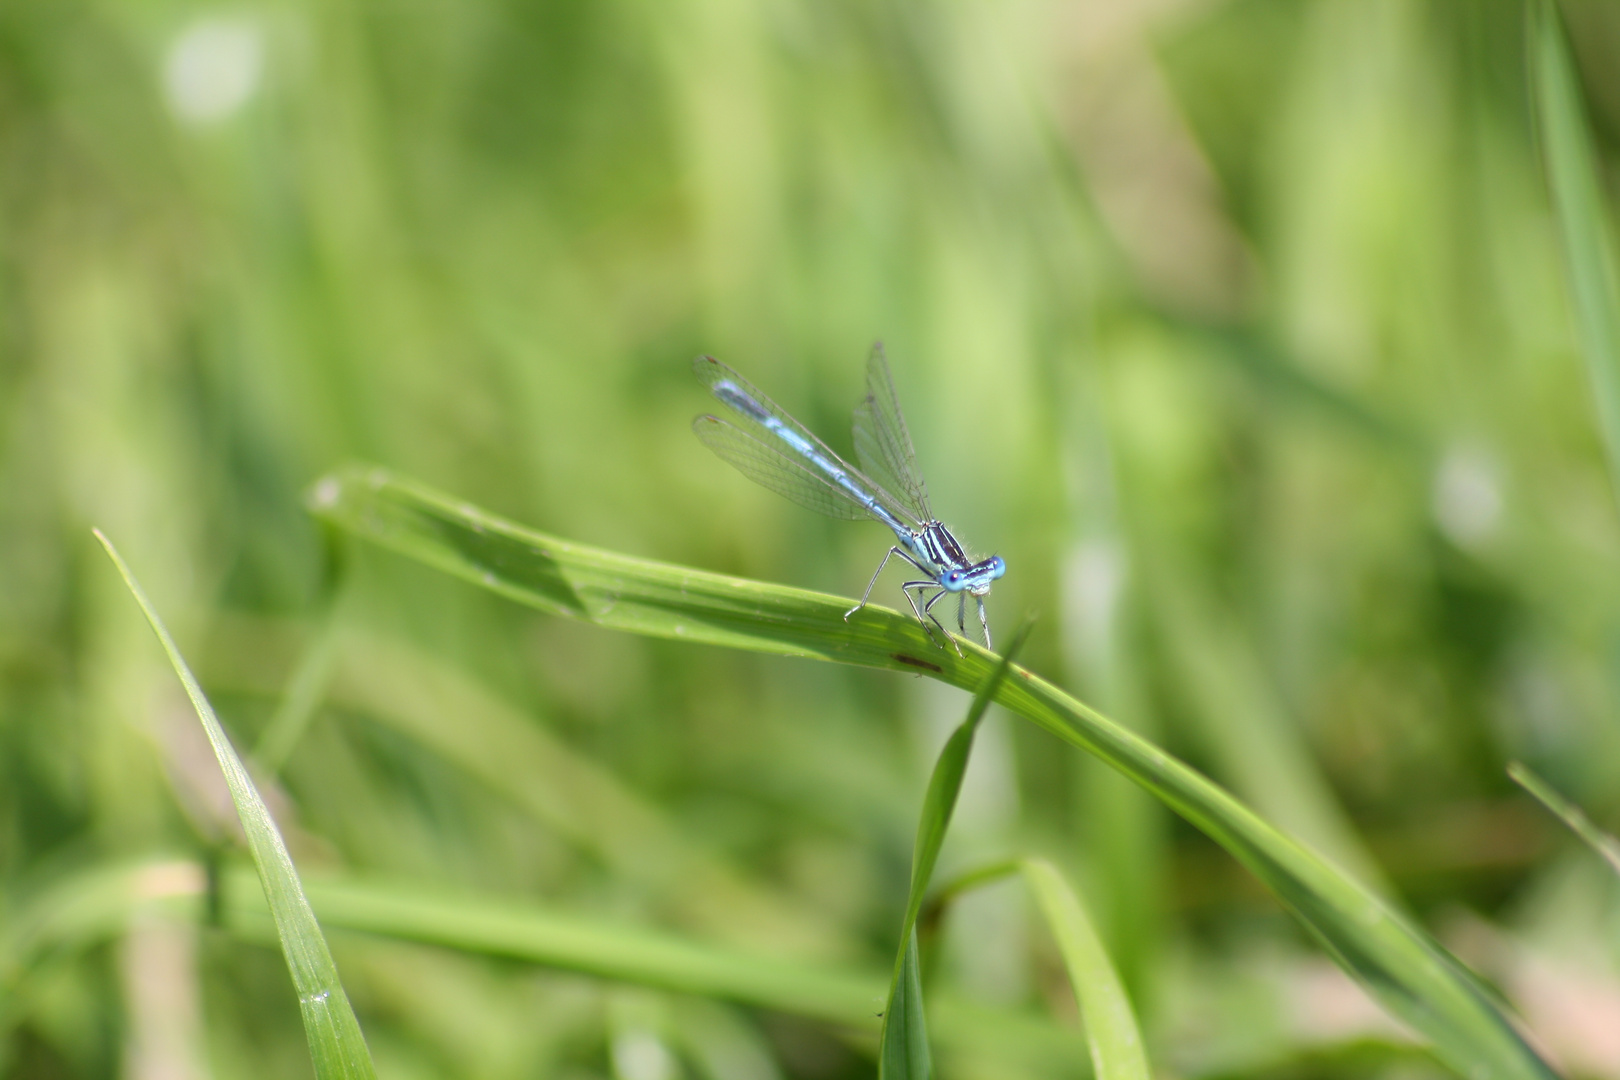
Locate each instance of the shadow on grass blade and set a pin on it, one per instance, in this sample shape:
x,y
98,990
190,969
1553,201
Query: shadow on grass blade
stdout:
x,y
1409,973
335,1042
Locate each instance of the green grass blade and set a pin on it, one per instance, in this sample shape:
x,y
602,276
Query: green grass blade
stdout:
x,y
1252,742
849,998
1111,1031
1581,825
1105,1008
904,1045
335,1042
1410,974
603,948
945,783
1583,223
88,907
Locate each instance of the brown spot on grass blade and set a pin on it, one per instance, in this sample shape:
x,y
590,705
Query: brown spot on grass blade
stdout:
x,y
915,662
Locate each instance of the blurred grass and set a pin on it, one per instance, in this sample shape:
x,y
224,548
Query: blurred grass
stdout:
x,y
1606,846
1252,309
1585,230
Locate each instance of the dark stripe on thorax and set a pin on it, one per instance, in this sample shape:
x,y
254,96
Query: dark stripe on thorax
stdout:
x,y
943,547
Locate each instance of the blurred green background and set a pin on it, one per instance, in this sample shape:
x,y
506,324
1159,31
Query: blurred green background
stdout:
x,y
1238,328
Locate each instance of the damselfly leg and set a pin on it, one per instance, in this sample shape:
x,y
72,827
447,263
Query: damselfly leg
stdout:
x,y
928,610
867,595
920,586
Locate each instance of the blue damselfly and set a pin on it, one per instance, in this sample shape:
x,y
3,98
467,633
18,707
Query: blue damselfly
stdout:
x,y
775,450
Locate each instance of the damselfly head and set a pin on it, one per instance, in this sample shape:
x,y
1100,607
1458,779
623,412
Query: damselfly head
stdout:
x,y
985,573
975,579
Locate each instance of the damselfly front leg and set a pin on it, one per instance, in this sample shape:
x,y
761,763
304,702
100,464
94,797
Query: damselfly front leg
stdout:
x,y
961,616
928,610
905,591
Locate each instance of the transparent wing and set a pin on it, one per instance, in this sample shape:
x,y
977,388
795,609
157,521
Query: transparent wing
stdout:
x,y
882,442
769,467
755,409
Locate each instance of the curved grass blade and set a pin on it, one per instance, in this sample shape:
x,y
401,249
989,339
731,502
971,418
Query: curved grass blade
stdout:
x,y
1111,1031
903,1053
1406,970
335,1042
1583,224
1105,1009
1567,812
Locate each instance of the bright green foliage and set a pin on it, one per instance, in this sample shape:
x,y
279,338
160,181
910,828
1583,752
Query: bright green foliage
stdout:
x,y
335,1042
1410,974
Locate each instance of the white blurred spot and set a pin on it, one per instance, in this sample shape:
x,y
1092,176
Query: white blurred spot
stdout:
x,y
1467,496
326,493
212,68
638,1054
